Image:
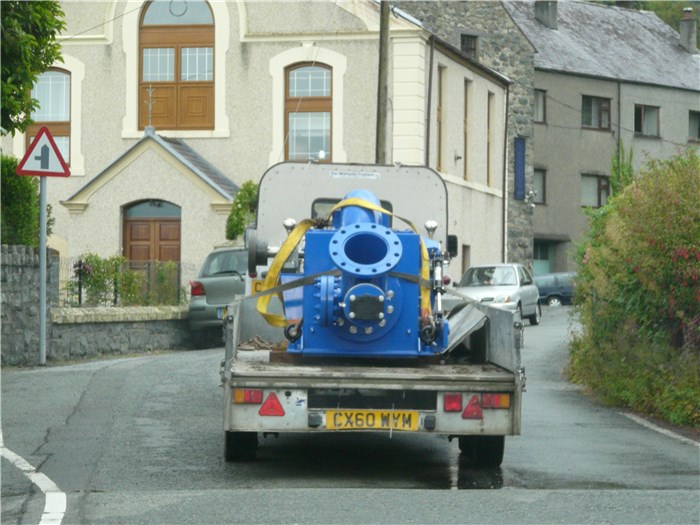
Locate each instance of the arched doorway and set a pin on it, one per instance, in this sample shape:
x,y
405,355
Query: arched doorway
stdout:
x,y
152,231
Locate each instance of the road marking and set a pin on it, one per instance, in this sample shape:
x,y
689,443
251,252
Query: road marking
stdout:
x,y
55,499
660,430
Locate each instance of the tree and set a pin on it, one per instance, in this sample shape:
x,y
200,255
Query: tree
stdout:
x,y
242,210
29,47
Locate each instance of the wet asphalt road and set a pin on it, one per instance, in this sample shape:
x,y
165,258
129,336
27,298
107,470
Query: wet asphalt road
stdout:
x,y
140,440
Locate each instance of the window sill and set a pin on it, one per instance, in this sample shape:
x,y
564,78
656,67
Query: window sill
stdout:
x,y
650,137
181,133
607,130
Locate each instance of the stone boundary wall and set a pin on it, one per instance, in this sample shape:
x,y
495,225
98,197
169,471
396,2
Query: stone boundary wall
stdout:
x,y
75,333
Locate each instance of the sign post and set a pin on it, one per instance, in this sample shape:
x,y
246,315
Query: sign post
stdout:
x,y
43,159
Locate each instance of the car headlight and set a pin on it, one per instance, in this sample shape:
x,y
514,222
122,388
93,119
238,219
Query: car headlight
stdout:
x,y
503,299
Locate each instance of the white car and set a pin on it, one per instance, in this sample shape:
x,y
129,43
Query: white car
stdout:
x,y
509,286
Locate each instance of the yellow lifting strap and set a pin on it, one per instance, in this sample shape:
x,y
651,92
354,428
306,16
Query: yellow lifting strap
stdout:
x,y
298,233
273,273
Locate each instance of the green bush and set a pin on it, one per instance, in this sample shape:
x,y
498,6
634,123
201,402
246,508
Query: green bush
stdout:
x,y
20,206
638,296
242,210
104,282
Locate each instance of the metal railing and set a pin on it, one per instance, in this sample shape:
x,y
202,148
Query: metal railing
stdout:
x,y
92,281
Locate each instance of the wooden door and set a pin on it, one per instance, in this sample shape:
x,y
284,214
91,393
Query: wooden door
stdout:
x,y
152,239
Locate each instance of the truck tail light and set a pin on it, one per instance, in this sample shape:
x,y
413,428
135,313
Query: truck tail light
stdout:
x,y
452,402
495,401
247,396
196,288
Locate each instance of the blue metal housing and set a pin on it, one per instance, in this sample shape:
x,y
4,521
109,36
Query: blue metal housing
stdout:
x,y
368,308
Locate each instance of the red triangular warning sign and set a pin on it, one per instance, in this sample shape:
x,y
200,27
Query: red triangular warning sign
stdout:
x,y
473,410
43,157
271,406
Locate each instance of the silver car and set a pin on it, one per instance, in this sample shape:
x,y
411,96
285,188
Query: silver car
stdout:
x,y
505,285
221,278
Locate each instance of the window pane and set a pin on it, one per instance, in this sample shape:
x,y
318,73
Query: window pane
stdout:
x,y
539,186
539,105
694,125
152,208
589,191
650,121
159,64
169,12
63,145
52,90
310,81
309,134
196,64
587,112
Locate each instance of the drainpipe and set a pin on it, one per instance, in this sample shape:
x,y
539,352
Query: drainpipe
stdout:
x,y
504,252
619,124
430,92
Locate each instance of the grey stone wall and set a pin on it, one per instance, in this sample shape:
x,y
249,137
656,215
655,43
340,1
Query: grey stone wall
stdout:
x,y
501,46
78,333
75,333
19,311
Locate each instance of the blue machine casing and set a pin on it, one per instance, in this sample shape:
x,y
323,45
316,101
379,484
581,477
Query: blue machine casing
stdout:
x,y
363,308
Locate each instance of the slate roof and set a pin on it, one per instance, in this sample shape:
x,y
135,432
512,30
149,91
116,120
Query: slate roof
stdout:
x,y
608,42
199,165
185,154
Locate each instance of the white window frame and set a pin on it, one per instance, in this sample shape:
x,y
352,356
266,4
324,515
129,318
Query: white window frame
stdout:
x,y
130,39
278,64
76,68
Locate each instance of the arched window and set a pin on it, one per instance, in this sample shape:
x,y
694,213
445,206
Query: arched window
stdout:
x,y
52,90
176,73
308,112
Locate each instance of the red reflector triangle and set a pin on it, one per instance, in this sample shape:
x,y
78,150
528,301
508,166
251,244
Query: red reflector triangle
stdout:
x,y
271,406
473,410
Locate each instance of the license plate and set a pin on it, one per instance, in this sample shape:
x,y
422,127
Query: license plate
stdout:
x,y
221,312
403,420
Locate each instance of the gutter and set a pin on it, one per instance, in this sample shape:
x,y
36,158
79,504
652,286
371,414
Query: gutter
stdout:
x,y
504,202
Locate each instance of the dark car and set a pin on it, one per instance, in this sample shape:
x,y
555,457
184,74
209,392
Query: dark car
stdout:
x,y
221,278
556,289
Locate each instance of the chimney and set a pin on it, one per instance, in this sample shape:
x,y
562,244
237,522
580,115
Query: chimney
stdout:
x,y
688,31
546,13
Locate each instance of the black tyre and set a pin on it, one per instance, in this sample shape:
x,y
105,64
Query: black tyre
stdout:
x,y
483,451
535,318
240,446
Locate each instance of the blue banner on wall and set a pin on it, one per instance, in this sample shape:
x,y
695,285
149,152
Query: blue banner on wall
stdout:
x,y
520,168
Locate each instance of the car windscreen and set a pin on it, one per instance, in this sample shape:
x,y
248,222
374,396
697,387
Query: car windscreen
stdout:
x,y
489,276
225,262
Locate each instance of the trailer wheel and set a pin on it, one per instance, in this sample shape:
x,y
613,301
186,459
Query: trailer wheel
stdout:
x,y
483,451
240,446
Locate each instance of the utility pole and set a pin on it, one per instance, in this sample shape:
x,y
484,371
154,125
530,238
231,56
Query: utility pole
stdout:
x,y
382,89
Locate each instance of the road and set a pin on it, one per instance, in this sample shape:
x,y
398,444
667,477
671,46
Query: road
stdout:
x,y
140,440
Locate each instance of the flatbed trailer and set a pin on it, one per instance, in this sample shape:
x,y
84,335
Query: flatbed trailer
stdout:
x,y
467,386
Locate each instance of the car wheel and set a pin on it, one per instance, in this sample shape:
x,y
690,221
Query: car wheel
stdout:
x,y
535,318
554,301
240,446
483,451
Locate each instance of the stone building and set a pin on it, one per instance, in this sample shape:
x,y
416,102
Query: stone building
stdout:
x,y
486,32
